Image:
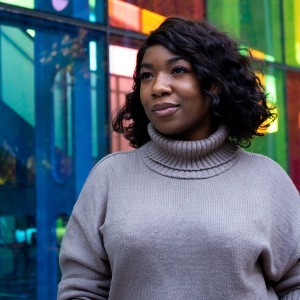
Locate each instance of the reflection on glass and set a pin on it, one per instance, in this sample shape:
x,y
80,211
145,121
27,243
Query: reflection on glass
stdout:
x,y
62,119
50,82
60,5
60,227
17,256
17,164
8,165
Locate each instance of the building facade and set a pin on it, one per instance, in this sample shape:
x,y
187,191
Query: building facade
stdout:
x,y
65,67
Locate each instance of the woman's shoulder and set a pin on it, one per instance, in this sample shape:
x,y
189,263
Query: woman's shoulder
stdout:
x,y
265,168
270,178
116,157
119,160
260,161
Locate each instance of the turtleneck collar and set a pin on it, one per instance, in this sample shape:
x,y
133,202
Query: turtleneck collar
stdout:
x,y
189,159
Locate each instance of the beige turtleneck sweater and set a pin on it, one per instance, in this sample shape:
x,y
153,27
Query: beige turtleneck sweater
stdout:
x,y
184,220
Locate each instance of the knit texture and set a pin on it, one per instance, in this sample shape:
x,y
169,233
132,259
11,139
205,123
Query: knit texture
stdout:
x,y
196,159
184,220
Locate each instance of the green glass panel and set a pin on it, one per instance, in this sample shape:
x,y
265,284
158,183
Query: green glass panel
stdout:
x,y
274,144
225,15
17,44
22,3
292,31
255,23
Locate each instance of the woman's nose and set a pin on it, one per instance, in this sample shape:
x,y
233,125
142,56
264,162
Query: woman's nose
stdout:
x,y
161,86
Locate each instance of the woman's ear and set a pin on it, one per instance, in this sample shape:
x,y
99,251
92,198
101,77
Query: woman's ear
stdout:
x,y
215,89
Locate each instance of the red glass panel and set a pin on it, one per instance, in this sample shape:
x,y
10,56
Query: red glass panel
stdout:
x,y
188,8
293,116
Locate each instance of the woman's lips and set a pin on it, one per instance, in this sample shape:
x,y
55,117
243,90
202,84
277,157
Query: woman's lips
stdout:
x,y
164,109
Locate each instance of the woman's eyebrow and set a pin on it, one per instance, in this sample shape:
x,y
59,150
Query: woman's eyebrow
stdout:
x,y
168,62
146,65
173,60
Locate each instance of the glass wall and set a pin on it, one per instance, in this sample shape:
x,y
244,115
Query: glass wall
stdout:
x,y
272,33
65,67
53,112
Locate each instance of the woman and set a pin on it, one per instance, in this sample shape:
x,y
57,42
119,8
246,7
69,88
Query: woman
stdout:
x,y
188,214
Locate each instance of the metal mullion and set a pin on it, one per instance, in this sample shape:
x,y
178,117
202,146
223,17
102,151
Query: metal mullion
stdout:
x,y
37,16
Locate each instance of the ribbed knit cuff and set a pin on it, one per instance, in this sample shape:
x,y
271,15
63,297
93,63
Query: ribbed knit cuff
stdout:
x,y
293,295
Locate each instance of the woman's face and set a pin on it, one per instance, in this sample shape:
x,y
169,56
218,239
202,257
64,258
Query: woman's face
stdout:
x,y
171,96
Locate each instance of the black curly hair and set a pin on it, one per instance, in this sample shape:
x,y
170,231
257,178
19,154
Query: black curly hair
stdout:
x,y
237,97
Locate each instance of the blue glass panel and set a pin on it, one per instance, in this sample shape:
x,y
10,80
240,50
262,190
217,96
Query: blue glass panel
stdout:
x,y
88,10
53,120
62,141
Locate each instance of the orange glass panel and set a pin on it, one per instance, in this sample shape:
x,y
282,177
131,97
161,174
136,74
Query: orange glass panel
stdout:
x,y
124,15
257,54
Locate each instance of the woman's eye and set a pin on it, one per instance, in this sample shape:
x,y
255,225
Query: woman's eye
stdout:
x,y
145,75
178,70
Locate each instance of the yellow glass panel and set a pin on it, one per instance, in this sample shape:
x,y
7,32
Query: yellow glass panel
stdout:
x,y
261,55
150,20
257,54
269,82
272,128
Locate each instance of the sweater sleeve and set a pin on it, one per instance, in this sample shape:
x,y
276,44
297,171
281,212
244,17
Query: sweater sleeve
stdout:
x,y
293,295
85,267
285,241
289,286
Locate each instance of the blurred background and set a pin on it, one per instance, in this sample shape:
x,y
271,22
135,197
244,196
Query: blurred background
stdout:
x,y
64,69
